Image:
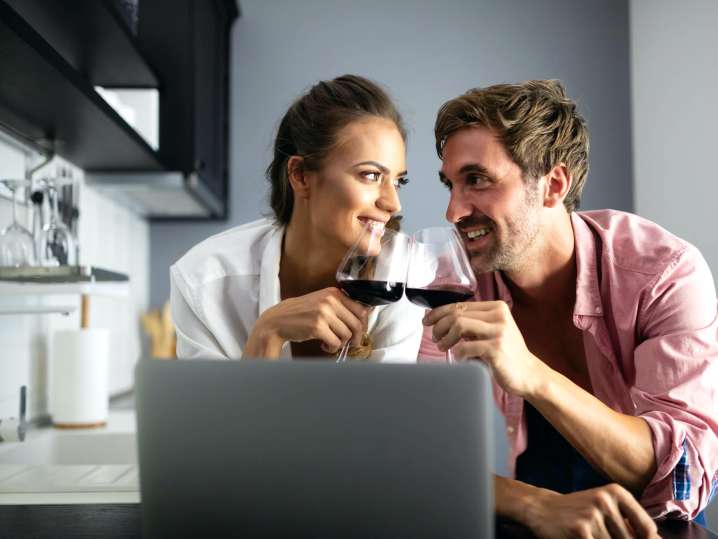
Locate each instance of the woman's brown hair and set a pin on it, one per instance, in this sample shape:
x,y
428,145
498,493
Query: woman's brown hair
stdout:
x,y
310,127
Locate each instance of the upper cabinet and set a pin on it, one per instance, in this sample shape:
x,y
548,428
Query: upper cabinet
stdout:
x,y
55,52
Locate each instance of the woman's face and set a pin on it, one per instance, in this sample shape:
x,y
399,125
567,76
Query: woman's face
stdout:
x,y
357,182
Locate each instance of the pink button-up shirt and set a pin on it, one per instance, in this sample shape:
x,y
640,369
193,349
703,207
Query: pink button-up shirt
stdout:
x,y
646,304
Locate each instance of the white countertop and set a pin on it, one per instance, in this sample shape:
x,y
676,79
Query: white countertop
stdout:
x,y
58,466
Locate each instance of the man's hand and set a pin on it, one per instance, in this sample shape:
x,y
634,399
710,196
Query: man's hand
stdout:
x,y
486,330
604,512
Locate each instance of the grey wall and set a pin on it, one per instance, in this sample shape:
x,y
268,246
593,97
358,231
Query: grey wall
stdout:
x,y
674,83
425,52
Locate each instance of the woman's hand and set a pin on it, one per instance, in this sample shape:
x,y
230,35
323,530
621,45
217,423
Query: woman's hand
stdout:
x,y
327,315
605,512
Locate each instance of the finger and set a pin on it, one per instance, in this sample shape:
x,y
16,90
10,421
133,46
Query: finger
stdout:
x,y
601,531
469,350
343,332
640,521
615,522
354,323
359,310
464,328
443,326
330,342
433,315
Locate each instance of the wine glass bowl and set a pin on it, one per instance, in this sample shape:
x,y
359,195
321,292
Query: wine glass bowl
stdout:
x,y
57,243
17,247
439,271
373,271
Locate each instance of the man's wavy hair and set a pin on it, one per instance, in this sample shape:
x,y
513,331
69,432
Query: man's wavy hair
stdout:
x,y
535,120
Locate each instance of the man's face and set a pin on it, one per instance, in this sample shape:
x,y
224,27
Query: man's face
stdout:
x,y
496,212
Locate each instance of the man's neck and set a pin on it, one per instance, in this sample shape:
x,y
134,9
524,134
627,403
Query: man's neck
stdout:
x,y
548,276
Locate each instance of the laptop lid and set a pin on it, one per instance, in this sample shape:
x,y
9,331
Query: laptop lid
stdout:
x,y
314,449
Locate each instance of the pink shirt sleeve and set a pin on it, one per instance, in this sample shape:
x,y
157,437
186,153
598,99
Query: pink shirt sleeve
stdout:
x,y
428,351
676,386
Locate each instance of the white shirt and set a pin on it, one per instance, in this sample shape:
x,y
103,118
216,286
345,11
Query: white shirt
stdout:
x,y
223,284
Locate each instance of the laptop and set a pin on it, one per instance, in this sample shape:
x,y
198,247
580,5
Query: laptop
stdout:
x,y
314,449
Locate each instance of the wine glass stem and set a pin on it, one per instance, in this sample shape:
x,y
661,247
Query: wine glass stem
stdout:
x,y
14,207
449,356
342,357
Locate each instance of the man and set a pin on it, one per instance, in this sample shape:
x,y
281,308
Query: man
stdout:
x,y
599,328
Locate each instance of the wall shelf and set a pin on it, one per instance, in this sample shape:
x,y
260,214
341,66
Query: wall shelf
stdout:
x,y
58,281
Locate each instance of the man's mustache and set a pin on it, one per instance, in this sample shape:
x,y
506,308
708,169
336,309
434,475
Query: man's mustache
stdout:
x,y
472,222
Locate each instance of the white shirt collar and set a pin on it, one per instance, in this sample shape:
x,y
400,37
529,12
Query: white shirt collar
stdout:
x,y
270,292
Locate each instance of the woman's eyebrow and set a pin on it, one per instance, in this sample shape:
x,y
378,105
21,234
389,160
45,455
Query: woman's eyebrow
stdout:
x,y
381,167
376,164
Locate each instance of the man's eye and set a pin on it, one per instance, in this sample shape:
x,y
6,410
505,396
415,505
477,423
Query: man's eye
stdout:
x,y
475,180
447,185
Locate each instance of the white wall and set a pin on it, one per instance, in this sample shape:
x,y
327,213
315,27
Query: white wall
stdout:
x,y
111,237
674,79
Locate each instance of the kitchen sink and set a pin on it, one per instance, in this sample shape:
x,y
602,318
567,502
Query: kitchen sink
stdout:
x,y
85,466
64,448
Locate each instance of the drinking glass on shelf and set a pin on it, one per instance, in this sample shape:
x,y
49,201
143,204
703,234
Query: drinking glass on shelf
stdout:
x,y
57,244
17,247
373,270
439,271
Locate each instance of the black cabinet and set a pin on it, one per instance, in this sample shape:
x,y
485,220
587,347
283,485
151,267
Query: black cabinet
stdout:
x,y
188,41
53,53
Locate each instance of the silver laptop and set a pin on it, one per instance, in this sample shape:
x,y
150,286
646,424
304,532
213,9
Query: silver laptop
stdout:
x,y
314,449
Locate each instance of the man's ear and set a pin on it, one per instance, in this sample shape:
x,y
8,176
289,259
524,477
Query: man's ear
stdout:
x,y
558,184
297,177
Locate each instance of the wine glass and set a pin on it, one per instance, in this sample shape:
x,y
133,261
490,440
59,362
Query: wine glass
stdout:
x,y
373,270
439,271
17,247
57,244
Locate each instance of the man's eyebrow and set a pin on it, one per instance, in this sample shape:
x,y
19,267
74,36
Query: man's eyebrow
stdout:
x,y
473,167
469,167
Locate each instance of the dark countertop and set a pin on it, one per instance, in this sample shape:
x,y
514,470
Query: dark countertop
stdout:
x,y
114,521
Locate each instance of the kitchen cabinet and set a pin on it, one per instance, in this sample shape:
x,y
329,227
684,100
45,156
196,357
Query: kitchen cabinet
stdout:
x,y
54,52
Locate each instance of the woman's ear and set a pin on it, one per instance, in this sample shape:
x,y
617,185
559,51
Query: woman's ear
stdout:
x,y
297,177
558,184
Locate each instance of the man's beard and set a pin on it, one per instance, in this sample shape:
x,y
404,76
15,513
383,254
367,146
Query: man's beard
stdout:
x,y
522,228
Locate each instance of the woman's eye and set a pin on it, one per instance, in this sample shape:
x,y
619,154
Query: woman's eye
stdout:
x,y
372,176
401,182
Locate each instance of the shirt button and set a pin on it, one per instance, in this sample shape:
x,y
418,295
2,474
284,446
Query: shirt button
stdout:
x,y
510,430
597,309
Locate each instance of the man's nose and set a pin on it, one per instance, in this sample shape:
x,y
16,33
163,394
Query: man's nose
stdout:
x,y
389,199
458,207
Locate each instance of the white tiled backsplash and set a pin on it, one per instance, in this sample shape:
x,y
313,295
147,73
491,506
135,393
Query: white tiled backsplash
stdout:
x,y
111,237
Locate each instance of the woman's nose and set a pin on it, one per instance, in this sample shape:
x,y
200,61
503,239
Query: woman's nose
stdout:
x,y
389,199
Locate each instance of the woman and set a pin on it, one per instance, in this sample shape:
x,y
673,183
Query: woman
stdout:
x,y
267,289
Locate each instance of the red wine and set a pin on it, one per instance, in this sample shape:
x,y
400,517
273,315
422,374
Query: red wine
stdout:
x,y
430,298
373,292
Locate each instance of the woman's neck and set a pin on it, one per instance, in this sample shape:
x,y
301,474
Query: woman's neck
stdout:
x,y
308,262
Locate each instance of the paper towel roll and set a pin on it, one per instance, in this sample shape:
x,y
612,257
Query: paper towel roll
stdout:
x,y
80,377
